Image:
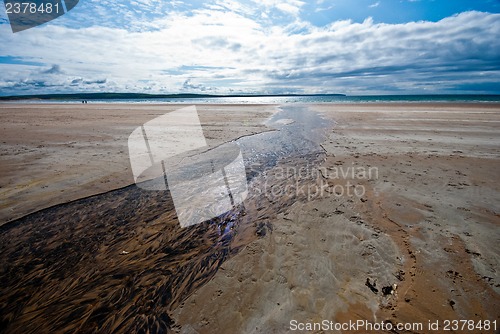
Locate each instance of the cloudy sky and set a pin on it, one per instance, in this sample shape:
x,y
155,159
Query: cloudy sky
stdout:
x,y
361,47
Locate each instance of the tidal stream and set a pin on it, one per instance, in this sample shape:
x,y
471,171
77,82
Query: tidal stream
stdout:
x,y
119,261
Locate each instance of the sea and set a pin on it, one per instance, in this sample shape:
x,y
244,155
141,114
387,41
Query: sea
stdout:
x,y
293,99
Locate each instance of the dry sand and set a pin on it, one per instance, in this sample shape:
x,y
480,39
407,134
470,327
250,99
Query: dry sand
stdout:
x,y
56,153
428,221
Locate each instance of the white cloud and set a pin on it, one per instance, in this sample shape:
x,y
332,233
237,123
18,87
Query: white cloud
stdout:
x,y
292,7
222,50
376,4
321,9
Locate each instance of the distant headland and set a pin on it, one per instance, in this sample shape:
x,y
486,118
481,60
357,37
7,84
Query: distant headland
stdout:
x,y
138,96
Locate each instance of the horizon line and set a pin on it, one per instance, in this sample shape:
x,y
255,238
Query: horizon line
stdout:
x,y
112,95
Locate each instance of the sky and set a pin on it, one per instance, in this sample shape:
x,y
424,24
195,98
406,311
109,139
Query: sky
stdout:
x,y
353,47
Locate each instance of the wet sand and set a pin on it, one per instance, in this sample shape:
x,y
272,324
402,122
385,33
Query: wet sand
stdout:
x,y
427,221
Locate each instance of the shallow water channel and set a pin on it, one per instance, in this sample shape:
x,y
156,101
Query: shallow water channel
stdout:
x,y
120,261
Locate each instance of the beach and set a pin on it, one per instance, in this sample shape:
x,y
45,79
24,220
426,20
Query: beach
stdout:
x,y
394,219
56,153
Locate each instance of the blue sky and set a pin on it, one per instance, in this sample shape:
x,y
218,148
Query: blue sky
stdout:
x,y
267,46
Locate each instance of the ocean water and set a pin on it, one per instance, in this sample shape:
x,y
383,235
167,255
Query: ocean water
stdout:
x,y
297,99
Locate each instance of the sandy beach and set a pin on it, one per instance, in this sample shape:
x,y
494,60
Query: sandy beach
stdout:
x,y
396,221
56,153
